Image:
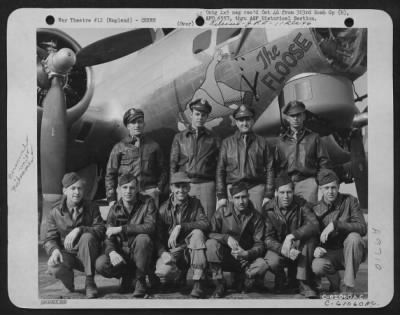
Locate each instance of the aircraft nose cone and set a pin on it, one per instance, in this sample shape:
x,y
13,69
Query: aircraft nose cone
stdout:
x,y
63,60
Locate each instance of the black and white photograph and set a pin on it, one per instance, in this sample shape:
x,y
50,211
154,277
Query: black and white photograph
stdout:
x,y
204,163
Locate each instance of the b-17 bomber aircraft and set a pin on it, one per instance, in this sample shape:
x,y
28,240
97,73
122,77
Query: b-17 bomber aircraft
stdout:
x,y
83,92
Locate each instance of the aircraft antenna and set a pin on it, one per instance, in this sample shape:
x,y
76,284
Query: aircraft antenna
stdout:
x,y
281,103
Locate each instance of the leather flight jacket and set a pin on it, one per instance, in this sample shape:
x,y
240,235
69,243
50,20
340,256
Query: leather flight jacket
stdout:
x,y
252,163
197,155
189,216
249,233
301,157
60,223
299,220
147,163
141,220
346,215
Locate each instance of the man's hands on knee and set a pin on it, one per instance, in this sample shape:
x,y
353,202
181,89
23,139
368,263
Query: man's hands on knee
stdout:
x,y
174,236
293,254
116,258
55,258
232,243
325,233
287,245
112,230
236,250
70,239
167,257
319,252
240,254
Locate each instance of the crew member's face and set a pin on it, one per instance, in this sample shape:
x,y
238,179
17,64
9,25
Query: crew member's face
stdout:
x,y
136,127
244,124
128,191
330,191
180,191
198,118
296,121
241,200
74,193
285,195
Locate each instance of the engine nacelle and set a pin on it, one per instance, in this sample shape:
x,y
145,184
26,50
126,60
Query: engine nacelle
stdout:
x,y
79,83
330,98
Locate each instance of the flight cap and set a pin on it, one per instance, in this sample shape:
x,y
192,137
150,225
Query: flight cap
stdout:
x,y
243,111
294,108
132,114
201,105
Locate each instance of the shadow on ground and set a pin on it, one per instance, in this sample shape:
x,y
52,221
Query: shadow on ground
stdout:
x,y
50,288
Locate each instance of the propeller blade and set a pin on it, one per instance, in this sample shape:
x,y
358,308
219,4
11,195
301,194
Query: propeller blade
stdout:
x,y
359,167
243,37
336,154
114,47
53,138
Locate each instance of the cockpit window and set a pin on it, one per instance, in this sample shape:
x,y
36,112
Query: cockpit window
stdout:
x,y
201,42
224,34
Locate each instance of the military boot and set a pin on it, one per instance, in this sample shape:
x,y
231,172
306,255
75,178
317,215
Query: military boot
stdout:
x,y
197,290
220,289
91,288
140,287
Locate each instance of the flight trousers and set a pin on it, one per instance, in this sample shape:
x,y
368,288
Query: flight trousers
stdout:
x,y
299,269
190,254
205,192
349,258
83,258
220,259
137,257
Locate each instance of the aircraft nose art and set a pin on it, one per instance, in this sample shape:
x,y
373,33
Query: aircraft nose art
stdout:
x,y
345,49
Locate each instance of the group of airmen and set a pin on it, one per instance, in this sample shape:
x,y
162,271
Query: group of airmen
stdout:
x,y
241,205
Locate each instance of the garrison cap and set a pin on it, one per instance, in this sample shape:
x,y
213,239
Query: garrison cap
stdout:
x,y
70,179
294,108
282,180
238,187
125,179
180,177
132,114
243,111
326,176
201,105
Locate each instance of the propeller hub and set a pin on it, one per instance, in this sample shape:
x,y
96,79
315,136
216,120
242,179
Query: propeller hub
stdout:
x,y
60,62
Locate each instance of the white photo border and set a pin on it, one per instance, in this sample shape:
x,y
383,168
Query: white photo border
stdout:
x,y
22,201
